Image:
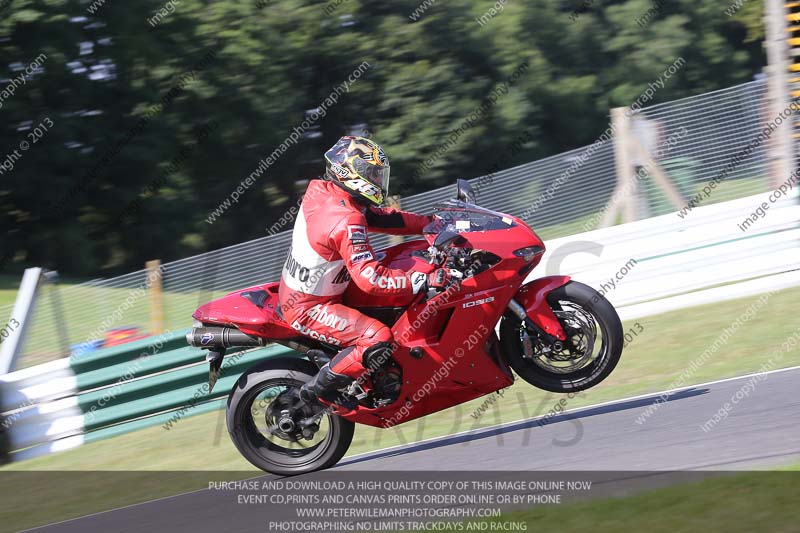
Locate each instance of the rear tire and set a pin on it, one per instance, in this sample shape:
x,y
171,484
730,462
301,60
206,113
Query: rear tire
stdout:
x,y
535,371
252,442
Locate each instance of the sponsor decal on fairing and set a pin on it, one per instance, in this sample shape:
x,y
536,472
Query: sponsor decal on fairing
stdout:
x,y
384,282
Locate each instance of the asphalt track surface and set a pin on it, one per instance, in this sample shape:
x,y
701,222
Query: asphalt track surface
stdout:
x,y
762,429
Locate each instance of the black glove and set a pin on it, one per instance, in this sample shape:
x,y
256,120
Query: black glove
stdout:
x,y
439,279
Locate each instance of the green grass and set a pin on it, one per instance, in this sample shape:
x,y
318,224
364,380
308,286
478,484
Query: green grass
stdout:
x,y
754,501
8,290
563,229
651,363
734,189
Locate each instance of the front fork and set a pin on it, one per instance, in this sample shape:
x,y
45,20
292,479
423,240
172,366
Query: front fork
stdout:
x,y
526,325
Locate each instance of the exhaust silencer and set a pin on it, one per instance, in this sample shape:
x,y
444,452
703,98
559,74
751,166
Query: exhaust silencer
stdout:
x,y
221,337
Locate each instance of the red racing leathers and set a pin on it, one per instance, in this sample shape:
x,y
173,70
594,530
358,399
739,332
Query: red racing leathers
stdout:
x,y
330,249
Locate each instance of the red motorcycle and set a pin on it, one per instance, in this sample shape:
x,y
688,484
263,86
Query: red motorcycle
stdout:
x,y
556,334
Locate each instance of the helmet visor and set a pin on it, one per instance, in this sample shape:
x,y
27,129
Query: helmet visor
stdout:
x,y
376,175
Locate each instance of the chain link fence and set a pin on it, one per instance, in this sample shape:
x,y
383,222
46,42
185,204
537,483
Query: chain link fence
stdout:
x,y
560,195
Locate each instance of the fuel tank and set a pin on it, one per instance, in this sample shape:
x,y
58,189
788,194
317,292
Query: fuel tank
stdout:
x,y
406,257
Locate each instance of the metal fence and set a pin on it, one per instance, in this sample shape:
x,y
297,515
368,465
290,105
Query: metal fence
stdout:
x,y
569,190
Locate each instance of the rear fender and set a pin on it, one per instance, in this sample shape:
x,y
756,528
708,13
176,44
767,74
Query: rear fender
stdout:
x,y
533,297
295,367
255,315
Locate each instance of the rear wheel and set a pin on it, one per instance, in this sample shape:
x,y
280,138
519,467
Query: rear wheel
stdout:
x,y
590,352
264,417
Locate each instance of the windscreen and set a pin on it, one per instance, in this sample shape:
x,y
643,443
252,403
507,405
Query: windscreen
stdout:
x,y
461,217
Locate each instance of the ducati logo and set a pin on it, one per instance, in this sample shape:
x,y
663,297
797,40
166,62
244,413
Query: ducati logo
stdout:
x,y
384,282
308,332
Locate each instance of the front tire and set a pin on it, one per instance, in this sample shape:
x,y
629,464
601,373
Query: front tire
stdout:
x,y
259,440
583,313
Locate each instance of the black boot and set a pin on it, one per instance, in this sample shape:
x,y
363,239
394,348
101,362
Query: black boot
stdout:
x,y
318,357
325,385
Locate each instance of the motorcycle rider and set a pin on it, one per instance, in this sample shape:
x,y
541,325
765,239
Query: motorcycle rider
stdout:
x,y
331,248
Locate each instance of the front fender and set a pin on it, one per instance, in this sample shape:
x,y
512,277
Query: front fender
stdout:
x,y
533,297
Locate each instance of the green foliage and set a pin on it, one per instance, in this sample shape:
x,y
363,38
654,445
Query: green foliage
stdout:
x,y
273,61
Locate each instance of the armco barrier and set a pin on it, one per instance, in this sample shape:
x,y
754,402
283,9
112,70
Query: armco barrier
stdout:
x,y
5,443
62,404
678,263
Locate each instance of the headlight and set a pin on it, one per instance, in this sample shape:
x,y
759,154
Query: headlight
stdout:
x,y
529,253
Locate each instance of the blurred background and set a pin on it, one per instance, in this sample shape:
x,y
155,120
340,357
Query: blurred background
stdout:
x,y
161,109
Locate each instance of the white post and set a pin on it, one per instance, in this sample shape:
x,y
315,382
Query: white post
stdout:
x,y
20,318
780,147
621,201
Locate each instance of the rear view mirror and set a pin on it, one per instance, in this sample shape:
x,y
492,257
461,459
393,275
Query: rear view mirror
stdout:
x,y
465,192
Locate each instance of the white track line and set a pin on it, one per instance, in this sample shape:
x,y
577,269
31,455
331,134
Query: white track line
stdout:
x,y
435,439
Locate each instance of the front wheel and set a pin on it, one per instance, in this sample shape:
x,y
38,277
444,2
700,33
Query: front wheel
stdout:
x,y
264,417
591,351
